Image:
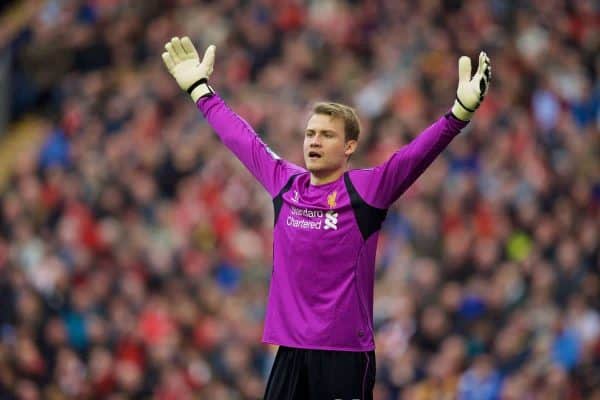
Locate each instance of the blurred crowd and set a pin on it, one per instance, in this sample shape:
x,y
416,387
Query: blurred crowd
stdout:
x,y
135,251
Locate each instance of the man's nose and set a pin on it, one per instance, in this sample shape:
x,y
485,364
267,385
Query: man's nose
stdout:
x,y
315,141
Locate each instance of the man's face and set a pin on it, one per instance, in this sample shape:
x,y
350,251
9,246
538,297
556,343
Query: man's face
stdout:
x,y
325,147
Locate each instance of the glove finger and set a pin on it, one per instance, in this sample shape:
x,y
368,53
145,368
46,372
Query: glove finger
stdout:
x,y
487,72
482,63
176,42
188,46
209,58
484,80
464,69
172,53
168,60
483,86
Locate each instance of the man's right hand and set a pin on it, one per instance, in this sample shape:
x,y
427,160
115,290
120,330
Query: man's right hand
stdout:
x,y
183,62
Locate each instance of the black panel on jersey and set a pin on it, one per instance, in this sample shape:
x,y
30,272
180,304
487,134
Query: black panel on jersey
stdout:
x,y
369,218
278,200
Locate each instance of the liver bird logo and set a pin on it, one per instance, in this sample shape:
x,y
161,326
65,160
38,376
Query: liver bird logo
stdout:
x,y
331,200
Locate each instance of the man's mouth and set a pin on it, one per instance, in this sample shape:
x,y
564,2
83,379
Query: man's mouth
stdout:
x,y
313,155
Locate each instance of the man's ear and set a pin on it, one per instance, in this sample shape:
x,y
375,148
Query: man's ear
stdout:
x,y
350,147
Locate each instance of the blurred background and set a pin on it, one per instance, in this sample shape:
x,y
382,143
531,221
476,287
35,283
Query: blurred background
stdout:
x,y
135,251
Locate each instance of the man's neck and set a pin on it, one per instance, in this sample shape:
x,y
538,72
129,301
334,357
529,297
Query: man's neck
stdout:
x,y
322,179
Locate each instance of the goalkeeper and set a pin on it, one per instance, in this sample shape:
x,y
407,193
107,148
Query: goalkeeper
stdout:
x,y
327,220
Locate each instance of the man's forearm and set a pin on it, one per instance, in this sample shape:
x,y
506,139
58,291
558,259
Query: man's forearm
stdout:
x,y
239,137
233,130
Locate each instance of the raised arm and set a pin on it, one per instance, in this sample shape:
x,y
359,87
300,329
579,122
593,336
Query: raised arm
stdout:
x,y
382,185
183,62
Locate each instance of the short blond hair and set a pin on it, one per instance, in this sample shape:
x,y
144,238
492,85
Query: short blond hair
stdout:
x,y
343,112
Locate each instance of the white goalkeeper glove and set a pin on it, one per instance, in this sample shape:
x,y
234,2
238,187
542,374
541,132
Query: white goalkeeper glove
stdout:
x,y
183,62
470,92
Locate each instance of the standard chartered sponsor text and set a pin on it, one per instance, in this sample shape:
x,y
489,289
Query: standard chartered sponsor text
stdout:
x,y
305,223
305,212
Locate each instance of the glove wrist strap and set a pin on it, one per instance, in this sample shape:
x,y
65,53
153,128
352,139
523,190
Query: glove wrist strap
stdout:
x,y
463,106
196,84
200,89
460,111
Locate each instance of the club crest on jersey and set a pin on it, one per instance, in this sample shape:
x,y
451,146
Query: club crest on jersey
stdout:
x,y
331,199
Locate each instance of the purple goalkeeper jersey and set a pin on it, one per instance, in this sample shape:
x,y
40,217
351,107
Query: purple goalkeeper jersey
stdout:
x,y
325,236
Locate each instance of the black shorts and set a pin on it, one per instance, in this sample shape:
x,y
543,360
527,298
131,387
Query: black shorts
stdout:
x,y
301,374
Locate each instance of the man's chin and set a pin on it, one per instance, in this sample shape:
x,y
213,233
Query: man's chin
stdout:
x,y
313,168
